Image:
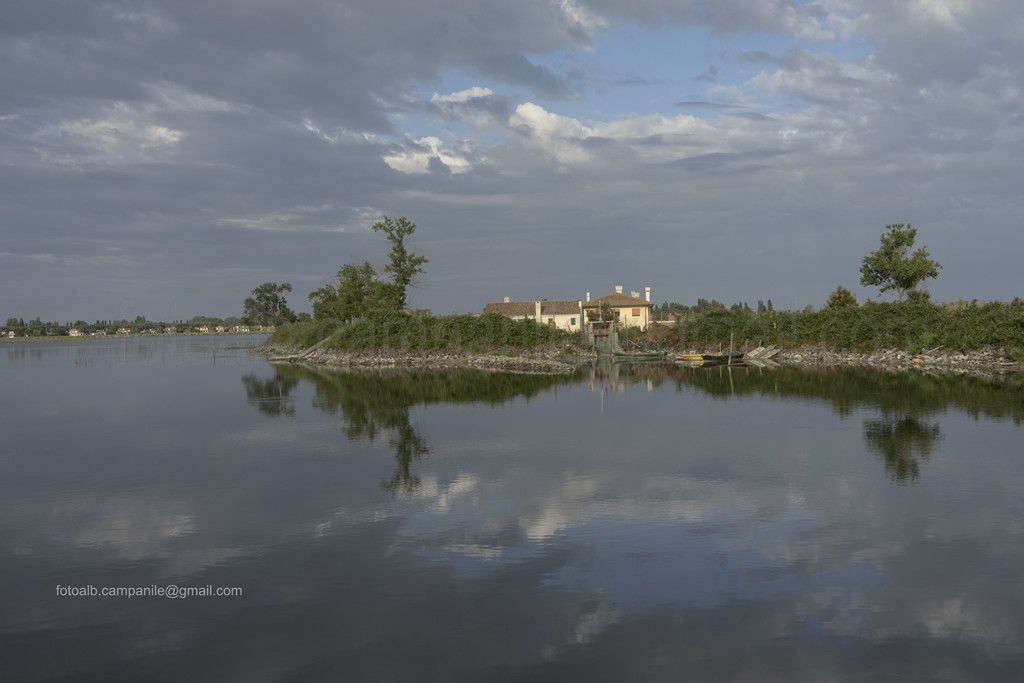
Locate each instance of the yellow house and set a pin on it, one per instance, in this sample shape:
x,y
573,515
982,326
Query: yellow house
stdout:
x,y
629,309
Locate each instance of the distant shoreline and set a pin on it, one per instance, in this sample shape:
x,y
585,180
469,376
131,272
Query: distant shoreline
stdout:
x,y
93,337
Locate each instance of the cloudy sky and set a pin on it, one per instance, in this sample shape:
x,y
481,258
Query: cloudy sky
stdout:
x,y
165,157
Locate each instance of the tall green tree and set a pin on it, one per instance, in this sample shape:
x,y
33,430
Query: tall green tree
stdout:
x,y
893,266
403,266
267,305
357,291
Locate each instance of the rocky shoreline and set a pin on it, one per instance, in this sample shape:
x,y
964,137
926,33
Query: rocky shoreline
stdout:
x,y
984,363
534,363
988,362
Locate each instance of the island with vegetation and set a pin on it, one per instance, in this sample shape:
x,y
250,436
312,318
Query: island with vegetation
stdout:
x,y
360,318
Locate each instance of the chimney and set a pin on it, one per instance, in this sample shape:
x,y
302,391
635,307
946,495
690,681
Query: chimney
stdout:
x,y
635,294
588,296
647,293
618,289
537,309
506,299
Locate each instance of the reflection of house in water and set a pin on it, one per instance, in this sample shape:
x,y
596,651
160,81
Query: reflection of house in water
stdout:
x,y
621,376
564,315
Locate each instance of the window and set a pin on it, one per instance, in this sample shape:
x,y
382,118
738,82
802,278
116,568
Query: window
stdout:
x,y
636,312
572,321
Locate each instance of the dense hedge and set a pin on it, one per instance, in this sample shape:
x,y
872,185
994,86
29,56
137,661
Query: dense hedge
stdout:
x,y
912,327
407,332
909,326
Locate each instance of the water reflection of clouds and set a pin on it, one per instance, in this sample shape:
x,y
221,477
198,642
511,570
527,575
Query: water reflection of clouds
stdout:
x,y
128,525
630,556
838,548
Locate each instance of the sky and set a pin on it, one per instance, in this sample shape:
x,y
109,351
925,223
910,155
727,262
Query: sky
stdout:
x,y
165,157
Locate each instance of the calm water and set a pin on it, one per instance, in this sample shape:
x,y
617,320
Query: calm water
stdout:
x,y
626,524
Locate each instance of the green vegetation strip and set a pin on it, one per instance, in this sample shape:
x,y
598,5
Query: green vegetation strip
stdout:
x,y
913,326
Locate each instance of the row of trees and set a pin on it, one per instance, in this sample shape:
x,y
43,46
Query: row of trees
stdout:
x,y
668,309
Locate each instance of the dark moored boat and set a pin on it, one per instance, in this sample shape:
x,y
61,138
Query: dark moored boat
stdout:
x,y
710,358
722,358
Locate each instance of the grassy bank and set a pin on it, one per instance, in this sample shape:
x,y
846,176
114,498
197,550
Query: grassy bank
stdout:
x,y
912,327
489,333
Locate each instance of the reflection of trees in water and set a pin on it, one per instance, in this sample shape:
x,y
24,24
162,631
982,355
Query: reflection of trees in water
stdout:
x,y
371,405
902,435
902,441
378,403
408,446
271,396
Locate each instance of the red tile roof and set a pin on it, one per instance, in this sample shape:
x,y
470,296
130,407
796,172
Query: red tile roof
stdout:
x,y
617,300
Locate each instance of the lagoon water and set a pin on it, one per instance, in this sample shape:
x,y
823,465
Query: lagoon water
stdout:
x,y
629,523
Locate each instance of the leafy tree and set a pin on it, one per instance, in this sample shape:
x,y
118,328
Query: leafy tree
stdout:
x,y
841,298
354,293
267,305
403,266
893,266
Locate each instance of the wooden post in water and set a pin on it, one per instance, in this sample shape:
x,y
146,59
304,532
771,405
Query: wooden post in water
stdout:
x,y
730,351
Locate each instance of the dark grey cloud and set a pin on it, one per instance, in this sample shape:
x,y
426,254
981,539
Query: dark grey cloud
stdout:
x,y
757,57
709,76
637,80
337,59
697,104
